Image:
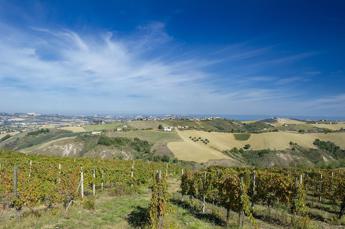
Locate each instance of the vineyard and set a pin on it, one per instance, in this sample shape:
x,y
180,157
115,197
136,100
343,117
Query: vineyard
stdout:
x,y
214,197
30,181
293,192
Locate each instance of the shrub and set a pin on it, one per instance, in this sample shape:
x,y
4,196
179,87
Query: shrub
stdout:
x,y
246,146
242,136
37,132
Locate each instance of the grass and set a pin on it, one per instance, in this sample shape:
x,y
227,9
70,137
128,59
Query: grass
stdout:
x,y
109,212
74,129
152,136
108,126
147,124
24,140
130,211
242,136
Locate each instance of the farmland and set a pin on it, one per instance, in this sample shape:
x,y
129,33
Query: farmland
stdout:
x,y
192,140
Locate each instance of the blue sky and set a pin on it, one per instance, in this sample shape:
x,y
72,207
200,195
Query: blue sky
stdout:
x,y
181,57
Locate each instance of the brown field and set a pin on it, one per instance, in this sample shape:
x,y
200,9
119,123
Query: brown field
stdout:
x,y
283,121
336,126
147,124
199,152
191,151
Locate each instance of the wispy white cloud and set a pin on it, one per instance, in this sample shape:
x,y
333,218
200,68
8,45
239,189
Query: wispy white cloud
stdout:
x,y
59,70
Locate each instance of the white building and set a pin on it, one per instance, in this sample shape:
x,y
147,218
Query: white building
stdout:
x,y
168,129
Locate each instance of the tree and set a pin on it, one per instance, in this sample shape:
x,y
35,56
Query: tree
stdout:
x,y
246,146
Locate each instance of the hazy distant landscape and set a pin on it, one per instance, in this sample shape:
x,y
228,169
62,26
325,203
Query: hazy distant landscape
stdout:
x,y
209,140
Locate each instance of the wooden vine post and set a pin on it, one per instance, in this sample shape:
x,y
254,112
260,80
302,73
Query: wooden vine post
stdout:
x,y
94,182
132,170
253,188
167,170
102,183
320,188
59,177
15,181
30,164
294,203
81,182
241,211
204,194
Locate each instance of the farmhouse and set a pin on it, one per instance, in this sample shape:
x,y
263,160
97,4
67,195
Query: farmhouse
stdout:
x,y
96,132
168,129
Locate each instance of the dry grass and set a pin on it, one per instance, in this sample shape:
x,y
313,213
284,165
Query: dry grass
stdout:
x,y
147,124
74,129
283,121
336,126
195,151
2,135
46,145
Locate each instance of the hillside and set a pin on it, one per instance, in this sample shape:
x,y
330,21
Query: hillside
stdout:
x,y
279,144
192,140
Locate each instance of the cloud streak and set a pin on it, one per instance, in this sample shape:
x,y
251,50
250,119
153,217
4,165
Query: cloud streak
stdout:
x,y
59,70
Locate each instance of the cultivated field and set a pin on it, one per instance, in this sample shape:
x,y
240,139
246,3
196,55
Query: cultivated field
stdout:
x,y
305,125
147,124
74,129
286,121
190,151
336,126
107,126
200,152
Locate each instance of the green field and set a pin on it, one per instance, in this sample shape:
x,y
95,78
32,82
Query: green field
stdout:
x,y
108,126
242,136
152,136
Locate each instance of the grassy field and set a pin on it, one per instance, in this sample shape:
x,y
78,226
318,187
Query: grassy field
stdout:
x,y
149,124
242,136
189,150
282,121
25,140
336,126
194,152
108,126
49,145
152,136
2,135
74,129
